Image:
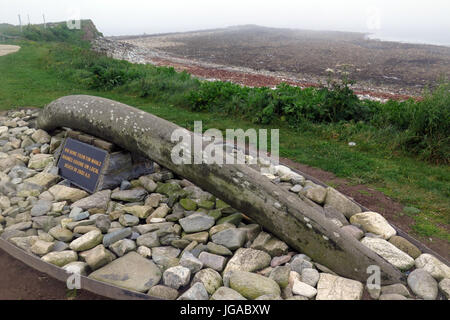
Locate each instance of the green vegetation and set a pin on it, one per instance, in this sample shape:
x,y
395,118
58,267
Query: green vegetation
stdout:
x,y
392,140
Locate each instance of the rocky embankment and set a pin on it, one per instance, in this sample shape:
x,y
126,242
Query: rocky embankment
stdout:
x,y
164,236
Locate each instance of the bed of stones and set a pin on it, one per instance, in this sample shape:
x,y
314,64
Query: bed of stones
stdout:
x,y
164,236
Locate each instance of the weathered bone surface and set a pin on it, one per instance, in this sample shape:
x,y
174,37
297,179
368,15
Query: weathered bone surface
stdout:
x,y
288,217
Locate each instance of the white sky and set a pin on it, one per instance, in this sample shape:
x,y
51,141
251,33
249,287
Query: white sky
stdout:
x,y
406,19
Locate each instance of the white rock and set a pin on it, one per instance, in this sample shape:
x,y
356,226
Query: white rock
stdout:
x,y
375,223
433,266
303,289
331,287
389,252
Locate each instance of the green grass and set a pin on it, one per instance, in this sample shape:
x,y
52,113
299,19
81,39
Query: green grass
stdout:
x,y
31,77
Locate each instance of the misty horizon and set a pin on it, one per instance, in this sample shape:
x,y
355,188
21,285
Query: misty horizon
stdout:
x,y
403,21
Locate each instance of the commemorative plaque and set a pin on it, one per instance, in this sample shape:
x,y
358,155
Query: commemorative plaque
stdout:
x,y
81,164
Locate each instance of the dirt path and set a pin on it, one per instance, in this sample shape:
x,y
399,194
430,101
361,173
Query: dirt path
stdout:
x,y
7,49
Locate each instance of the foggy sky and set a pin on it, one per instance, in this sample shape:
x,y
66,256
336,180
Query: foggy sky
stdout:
x,y
410,20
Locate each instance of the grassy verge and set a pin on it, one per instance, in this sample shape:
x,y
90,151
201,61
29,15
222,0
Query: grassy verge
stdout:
x,y
41,72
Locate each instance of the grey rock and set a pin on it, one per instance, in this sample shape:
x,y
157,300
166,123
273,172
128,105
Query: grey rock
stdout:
x,y
299,264
188,260
133,195
310,276
270,244
225,293
247,259
61,258
196,292
98,200
230,238
280,275
132,272
149,240
212,261
114,236
176,277
423,284
122,247
163,292
252,285
41,208
128,220
210,278
197,222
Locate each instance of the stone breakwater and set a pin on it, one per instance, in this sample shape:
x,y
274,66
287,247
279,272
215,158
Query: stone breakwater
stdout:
x,y
162,235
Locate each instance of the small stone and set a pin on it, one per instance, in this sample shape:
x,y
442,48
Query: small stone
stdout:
x,y
160,212
423,284
234,218
310,276
212,261
280,275
77,267
344,205
247,259
270,244
141,212
60,258
125,185
210,279
389,252
315,193
433,266
133,195
40,161
218,249
148,184
196,222
97,257
41,247
200,237
331,287
220,227
61,234
296,189
149,240
63,193
144,251
225,293
188,204
41,208
251,285
188,260
303,289
98,200
128,220
299,264
163,292
176,277
121,247
405,246
40,136
114,236
153,200
196,292
375,223
230,238
132,272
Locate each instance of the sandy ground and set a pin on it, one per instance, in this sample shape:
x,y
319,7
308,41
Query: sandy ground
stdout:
x,y
7,49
